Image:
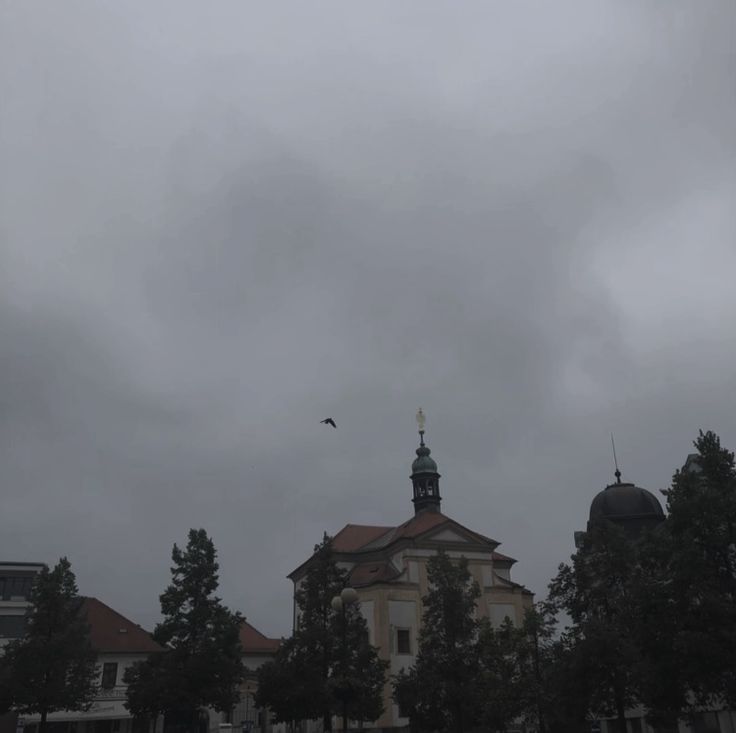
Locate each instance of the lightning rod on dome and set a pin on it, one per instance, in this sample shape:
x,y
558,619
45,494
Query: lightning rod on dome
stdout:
x,y
617,473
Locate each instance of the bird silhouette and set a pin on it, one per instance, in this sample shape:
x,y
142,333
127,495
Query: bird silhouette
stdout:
x,y
328,421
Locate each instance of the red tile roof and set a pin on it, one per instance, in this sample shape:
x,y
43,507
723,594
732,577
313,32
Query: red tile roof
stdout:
x,y
502,558
421,523
354,536
254,642
110,631
414,527
373,572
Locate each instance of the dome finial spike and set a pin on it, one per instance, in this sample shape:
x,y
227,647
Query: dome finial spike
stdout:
x,y
421,419
616,473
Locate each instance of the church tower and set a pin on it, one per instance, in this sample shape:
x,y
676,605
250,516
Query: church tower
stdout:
x,y
387,568
424,476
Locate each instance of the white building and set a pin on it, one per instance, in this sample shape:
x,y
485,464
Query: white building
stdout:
x,y
119,643
16,581
245,716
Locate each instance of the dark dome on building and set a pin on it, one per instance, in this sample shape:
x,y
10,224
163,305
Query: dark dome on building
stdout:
x,y
627,505
423,463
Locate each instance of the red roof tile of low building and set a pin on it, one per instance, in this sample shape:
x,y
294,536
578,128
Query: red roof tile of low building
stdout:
x,y
373,572
354,536
253,641
110,631
502,558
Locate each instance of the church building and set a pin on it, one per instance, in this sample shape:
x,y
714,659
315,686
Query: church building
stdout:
x,y
637,511
387,566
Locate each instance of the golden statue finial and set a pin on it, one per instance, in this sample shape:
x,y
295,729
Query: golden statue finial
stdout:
x,y
420,420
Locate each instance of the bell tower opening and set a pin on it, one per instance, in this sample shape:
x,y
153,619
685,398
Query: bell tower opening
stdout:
x,y
424,476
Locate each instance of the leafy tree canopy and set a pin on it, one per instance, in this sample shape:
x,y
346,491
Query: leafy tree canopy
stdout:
x,y
598,593
202,665
442,690
54,666
315,673
700,569
654,618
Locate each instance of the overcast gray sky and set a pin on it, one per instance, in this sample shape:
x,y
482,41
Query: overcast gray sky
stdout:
x,y
223,222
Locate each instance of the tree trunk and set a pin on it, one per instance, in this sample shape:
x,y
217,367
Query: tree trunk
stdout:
x,y
458,718
42,723
621,714
327,721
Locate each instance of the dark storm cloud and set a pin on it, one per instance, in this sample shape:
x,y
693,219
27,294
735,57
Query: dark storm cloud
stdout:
x,y
219,228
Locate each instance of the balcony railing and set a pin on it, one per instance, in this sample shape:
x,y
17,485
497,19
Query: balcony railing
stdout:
x,y
111,693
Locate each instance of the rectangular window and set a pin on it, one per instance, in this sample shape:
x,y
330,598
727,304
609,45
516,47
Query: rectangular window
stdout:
x,y
139,725
20,588
486,572
706,723
16,587
58,727
403,641
498,613
102,726
12,627
109,675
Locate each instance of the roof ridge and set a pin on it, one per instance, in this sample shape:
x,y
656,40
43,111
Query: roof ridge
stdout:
x,y
260,633
472,531
108,628
117,613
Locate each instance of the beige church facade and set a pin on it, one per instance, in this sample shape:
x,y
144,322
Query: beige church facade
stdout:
x,y
387,566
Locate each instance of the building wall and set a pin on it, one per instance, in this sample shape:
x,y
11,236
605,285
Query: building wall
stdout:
x,y
109,704
722,721
16,580
245,716
389,608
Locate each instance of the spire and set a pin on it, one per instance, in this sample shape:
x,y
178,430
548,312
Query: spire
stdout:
x,y
424,476
616,473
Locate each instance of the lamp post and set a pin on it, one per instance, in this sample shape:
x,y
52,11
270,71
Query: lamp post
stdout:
x,y
347,597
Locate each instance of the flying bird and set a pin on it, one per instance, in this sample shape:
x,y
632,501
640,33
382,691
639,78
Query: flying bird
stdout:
x,y
328,421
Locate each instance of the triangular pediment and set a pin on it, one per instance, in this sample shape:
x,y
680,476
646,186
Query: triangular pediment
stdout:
x,y
449,535
451,532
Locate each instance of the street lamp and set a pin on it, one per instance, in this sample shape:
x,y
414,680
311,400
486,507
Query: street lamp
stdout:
x,y
347,597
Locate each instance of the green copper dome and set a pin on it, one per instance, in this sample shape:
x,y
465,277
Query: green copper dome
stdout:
x,y
423,463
